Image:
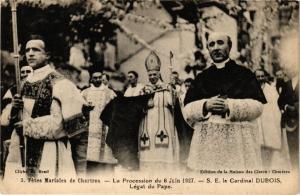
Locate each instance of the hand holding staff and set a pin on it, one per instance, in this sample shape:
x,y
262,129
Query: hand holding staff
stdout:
x,y
13,4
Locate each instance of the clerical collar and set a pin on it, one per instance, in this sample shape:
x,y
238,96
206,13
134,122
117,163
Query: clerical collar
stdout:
x,y
40,73
221,64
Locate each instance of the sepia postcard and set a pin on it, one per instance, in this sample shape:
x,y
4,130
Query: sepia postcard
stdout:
x,y
149,97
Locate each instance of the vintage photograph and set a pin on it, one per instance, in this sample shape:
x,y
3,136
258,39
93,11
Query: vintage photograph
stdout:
x,y
149,97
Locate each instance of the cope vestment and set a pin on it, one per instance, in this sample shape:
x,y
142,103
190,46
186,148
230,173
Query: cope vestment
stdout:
x,y
158,138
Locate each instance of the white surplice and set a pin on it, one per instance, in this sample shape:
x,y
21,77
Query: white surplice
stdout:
x,y
134,91
224,143
98,150
272,138
56,158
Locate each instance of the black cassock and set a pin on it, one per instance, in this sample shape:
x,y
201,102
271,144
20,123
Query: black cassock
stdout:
x,y
123,116
232,81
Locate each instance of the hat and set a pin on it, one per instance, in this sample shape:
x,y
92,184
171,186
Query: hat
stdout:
x,y
152,62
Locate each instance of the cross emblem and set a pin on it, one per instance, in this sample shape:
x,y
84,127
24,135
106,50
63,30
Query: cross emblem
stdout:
x,y
161,136
144,138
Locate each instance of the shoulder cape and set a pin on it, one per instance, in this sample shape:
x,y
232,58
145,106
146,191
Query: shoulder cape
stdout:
x,y
233,81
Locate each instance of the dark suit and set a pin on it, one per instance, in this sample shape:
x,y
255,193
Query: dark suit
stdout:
x,y
290,96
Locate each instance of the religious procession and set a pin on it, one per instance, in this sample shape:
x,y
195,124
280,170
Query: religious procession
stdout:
x,y
101,87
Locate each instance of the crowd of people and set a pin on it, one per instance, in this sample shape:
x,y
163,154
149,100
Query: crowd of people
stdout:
x,y
239,119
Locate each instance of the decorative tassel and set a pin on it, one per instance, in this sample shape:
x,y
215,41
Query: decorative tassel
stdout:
x,y
162,139
145,141
144,138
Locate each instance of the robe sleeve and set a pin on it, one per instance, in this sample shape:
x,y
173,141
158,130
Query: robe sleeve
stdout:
x,y
5,116
244,109
6,105
8,95
195,92
84,94
112,95
7,99
45,127
65,114
71,102
72,58
194,111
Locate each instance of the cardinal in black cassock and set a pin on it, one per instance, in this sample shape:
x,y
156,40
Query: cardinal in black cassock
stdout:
x,y
221,106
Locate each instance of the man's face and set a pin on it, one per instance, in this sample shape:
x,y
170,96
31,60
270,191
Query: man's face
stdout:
x,y
280,75
154,76
187,85
289,55
218,47
25,71
96,79
175,78
175,75
131,78
35,53
104,79
74,76
260,76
